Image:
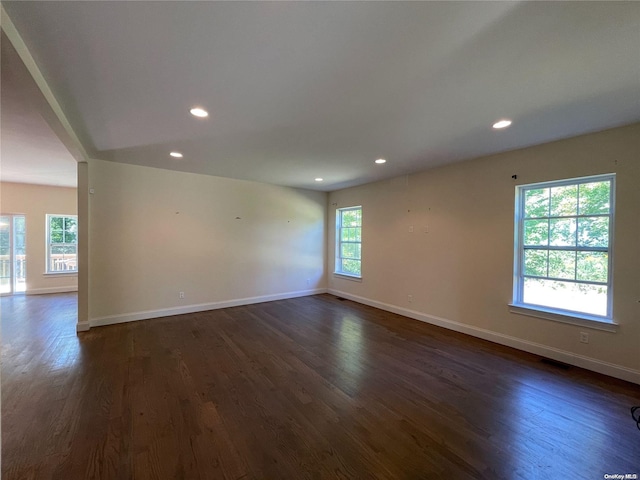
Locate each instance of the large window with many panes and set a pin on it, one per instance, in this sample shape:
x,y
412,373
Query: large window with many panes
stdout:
x,y
563,254
62,243
349,241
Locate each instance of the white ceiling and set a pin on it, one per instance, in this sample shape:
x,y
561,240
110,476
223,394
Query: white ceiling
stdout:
x,y
30,151
298,90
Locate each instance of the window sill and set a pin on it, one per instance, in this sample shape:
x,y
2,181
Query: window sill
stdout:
x,y
346,276
582,320
61,274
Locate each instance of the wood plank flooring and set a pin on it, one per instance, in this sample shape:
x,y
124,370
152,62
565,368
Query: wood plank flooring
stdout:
x,y
307,388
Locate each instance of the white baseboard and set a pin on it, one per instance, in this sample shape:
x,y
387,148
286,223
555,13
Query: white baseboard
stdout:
x,y
83,326
201,307
45,291
588,363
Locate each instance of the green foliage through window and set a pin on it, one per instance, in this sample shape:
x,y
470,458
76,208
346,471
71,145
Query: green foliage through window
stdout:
x,y
563,257
62,243
349,241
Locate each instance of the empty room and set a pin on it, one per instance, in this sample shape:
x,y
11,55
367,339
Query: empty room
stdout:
x,y
304,240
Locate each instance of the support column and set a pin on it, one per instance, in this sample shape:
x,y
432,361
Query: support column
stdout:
x,y
83,247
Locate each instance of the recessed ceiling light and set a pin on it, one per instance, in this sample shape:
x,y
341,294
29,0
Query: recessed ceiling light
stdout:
x,y
176,154
501,124
199,112
381,161
319,179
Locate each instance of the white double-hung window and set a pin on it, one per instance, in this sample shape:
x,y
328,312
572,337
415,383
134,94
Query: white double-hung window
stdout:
x,y
349,241
62,243
563,247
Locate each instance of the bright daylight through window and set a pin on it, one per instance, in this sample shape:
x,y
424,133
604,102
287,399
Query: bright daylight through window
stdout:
x,y
62,243
563,252
349,241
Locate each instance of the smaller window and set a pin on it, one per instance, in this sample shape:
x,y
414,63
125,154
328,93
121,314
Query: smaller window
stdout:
x,y
62,243
349,241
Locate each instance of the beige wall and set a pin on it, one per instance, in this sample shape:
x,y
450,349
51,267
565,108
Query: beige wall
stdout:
x,y
154,233
35,202
460,272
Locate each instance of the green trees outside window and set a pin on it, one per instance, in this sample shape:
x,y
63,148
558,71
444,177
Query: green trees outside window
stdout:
x,y
563,239
62,243
349,241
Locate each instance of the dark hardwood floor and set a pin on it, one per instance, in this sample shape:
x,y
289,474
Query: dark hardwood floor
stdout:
x,y
311,387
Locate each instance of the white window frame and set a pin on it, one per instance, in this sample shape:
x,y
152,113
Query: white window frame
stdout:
x,y
48,270
605,322
339,243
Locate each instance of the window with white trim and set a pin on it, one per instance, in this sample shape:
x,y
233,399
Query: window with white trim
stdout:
x,y
349,241
563,254
62,243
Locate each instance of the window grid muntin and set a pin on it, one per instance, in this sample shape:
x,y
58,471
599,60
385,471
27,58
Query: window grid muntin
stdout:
x,y
70,245
521,247
340,259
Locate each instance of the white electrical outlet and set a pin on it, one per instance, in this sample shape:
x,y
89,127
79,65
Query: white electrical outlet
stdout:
x,y
181,294
410,298
410,228
584,337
